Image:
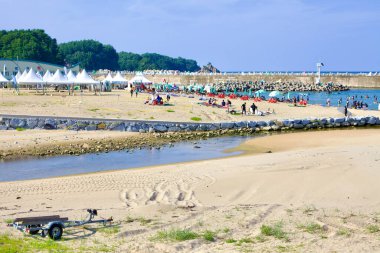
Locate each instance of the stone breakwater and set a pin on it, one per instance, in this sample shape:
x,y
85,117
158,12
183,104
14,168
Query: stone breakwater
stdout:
x,y
21,123
161,133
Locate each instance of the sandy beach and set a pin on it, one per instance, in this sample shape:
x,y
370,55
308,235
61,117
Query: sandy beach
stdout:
x,y
119,105
321,188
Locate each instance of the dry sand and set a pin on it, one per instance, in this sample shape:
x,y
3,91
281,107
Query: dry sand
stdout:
x,y
119,105
322,178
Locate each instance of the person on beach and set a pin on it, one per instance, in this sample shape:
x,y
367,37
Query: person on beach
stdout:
x,y
328,102
253,109
345,111
243,109
223,103
131,92
168,97
294,101
137,92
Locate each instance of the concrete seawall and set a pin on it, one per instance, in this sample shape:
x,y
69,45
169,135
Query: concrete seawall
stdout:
x,y
351,81
77,124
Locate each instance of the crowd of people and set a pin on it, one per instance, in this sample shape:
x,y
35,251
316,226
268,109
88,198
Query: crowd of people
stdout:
x,y
252,86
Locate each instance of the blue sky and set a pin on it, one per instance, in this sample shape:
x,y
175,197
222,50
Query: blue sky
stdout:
x,y
232,34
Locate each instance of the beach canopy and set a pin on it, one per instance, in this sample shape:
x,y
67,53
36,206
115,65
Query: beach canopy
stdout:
x,y
58,78
259,92
18,75
31,78
71,77
275,93
118,78
3,79
84,78
22,76
108,78
47,76
139,79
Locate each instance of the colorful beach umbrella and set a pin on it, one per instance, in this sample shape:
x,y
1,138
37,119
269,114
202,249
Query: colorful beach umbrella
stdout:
x,y
275,93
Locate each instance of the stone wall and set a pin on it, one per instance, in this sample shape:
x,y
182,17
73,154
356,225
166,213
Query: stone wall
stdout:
x,y
351,81
20,123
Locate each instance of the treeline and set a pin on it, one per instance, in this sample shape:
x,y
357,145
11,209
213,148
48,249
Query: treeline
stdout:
x,y
90,54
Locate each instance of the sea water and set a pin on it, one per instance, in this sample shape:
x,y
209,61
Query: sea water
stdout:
x,y
44,167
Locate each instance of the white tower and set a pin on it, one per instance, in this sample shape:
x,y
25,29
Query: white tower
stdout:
x,y
319,66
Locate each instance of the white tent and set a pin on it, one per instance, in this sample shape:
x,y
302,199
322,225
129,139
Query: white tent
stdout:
x,y
3,79
47,76
31,78
18,75
84,78
139,79
119,78
58,78
108,78
22,76
71,77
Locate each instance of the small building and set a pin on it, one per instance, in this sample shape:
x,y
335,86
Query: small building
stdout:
x,y
9,67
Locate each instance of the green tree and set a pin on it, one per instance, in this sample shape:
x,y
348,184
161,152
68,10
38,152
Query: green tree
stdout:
x,y
90,54
29,44
129,61
133,62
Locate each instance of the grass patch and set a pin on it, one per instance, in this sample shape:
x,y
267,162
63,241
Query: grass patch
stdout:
x,y
260,238
230,240
170,110
94,109
143,221
276,231
8,221
209,235
20,129
373,229
196,119
311,228
226,230
109,230
30,244
178,235
309,210
344,232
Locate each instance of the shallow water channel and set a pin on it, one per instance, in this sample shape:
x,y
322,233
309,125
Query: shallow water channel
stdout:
x,y
44,167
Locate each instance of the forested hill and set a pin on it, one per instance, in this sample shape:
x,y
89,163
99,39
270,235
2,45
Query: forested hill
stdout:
x,y
90,54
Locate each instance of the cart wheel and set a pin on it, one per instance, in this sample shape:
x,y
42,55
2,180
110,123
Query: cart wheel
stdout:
x,y
55,232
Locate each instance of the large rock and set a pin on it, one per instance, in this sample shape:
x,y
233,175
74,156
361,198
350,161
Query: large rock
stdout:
x,y
298,126
15,123
50,124
117,126
31,123
91,127
339,120
227,125
160,128
372,121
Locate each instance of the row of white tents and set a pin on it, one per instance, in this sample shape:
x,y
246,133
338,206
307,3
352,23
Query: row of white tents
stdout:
x,y
31,77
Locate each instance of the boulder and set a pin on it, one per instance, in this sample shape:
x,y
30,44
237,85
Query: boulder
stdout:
x,y
31,123
227,125
160,128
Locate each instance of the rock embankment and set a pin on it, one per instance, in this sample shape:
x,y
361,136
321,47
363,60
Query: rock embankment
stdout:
x,y
156,134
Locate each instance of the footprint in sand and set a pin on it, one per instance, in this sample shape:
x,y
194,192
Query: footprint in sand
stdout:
x,y
171,193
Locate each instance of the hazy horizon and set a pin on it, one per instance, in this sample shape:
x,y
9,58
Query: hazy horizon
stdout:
x,y
233,35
